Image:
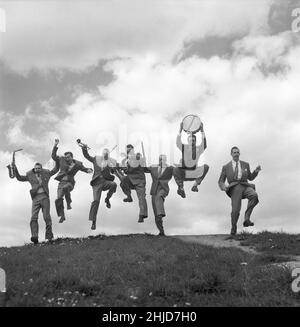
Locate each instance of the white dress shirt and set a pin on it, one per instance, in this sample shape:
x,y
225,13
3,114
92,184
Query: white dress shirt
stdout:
x,y
239,168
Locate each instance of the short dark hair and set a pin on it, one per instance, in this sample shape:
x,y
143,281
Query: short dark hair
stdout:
x,y
130,146
38,164
234,148
70,153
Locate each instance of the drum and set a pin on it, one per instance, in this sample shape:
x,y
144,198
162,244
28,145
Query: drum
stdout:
x,y
191,124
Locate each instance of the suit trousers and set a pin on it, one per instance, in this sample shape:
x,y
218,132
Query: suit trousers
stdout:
x,y
64,190
197,174
97,191
41,201
158,200
238,193
140,189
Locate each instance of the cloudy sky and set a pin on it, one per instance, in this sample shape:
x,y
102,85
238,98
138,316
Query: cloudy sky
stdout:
x,y
112,72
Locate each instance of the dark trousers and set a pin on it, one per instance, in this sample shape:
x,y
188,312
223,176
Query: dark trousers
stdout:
x,y
238,193
97,191
64,189
181,174
158,200
41,201
140,189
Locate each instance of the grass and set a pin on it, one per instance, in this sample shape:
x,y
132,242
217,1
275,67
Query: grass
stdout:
x,y
141,270
272,243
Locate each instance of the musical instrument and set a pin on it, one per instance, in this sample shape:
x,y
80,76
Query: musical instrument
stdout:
x,y
113,149
82,145
11,167
191,124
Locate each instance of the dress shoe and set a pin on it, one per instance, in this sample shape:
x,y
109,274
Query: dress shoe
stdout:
x,y
181,192
128,199
233,231
248,223
108,205
34,240
195,188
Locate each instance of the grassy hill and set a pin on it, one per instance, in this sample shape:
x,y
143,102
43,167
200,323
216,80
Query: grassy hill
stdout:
x,y
144,270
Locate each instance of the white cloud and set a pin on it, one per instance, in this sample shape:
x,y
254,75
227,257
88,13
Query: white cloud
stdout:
x,y
239,104
76,34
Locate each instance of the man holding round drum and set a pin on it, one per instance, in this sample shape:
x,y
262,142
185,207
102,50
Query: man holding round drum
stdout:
x,y
188,170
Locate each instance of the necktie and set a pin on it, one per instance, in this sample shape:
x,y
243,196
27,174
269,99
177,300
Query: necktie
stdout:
x,y
236,171
159,170
194,152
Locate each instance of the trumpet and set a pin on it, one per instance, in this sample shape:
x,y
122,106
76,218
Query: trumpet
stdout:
x,y
82,145
11,167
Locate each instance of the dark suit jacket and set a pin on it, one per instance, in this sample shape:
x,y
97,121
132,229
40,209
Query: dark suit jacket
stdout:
x,y
65,168
162,180
228,173
136,175
99,173
35,185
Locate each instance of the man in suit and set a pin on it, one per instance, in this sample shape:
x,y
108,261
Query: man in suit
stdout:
x,y
134,167
39,178
189,169
237,173
102,180
161,175
68,169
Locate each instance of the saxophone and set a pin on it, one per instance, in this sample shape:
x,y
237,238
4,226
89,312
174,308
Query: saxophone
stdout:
x,y
11,167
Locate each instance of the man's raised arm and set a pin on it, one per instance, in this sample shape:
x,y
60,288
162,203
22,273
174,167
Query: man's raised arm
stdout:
x,y
253,175
203,145
54,155
178,138
19,177
86,154
85,169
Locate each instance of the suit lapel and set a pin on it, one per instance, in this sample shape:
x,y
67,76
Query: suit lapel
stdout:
x,y
230,170
164,172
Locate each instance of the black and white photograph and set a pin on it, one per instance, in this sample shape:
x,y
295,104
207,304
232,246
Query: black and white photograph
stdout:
x,y
149,156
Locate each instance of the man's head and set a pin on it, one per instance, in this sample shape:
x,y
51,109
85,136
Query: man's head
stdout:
x,y
105,153
68,157
37,168
129,149
162,160
235,153
192,139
